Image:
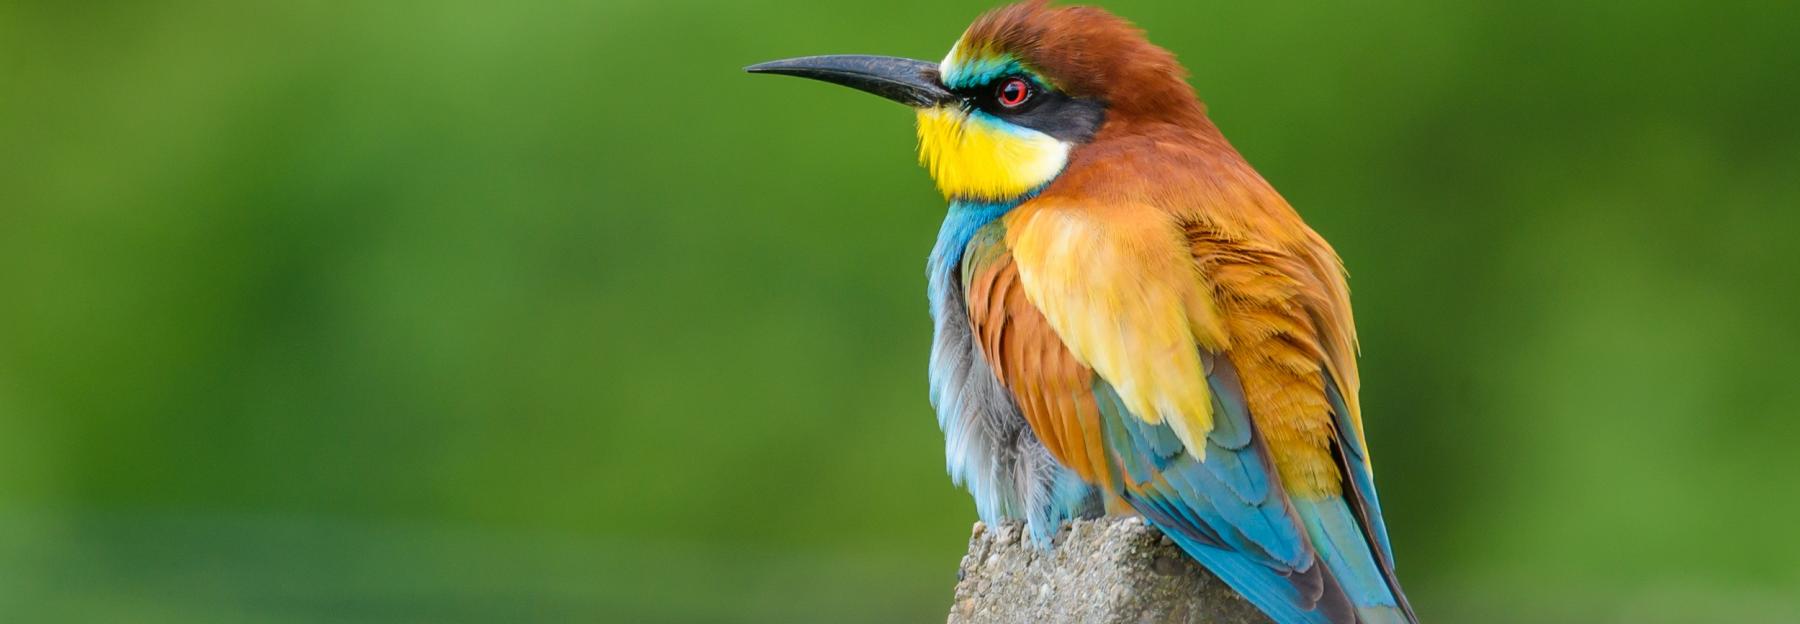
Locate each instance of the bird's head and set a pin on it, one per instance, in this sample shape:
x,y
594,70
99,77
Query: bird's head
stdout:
x,y
1023,89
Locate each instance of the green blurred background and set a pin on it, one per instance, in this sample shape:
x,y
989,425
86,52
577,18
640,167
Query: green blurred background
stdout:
x,y
544,311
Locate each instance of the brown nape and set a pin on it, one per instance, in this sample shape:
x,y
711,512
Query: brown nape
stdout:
x,y
1088,52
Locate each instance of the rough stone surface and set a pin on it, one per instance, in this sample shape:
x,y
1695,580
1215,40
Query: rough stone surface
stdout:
x,y
1106,571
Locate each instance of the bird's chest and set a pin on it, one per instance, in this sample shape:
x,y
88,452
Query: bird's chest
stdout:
x,y
988,444
982,427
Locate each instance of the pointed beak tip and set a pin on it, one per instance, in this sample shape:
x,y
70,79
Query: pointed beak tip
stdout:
x,y
803,66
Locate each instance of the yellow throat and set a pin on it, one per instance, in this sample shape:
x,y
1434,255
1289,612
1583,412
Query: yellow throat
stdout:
x,y
974,156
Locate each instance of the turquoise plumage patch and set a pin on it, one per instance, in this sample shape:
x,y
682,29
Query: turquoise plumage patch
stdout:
x,y
982,70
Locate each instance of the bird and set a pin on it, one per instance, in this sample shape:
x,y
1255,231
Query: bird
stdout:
x,y
1129,319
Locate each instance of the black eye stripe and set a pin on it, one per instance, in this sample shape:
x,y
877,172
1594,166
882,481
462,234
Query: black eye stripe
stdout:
x,y
993,98
1073,119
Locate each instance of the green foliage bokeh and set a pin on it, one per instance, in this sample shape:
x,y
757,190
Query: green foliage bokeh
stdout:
x,y
467,311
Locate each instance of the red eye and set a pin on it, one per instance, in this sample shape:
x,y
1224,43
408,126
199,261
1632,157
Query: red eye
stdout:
x,y
1013,92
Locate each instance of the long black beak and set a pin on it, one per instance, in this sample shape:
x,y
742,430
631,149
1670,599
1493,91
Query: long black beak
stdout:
x,y
910,82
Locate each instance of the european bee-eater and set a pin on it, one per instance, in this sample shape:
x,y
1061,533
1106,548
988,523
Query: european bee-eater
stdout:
x,y
1128,318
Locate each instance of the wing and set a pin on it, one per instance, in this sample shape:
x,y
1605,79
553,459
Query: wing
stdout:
x,y
1209,411
1287,311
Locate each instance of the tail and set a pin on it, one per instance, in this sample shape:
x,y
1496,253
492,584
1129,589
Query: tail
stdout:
x,y
1348,530
1315,595
1360,568
1286,597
